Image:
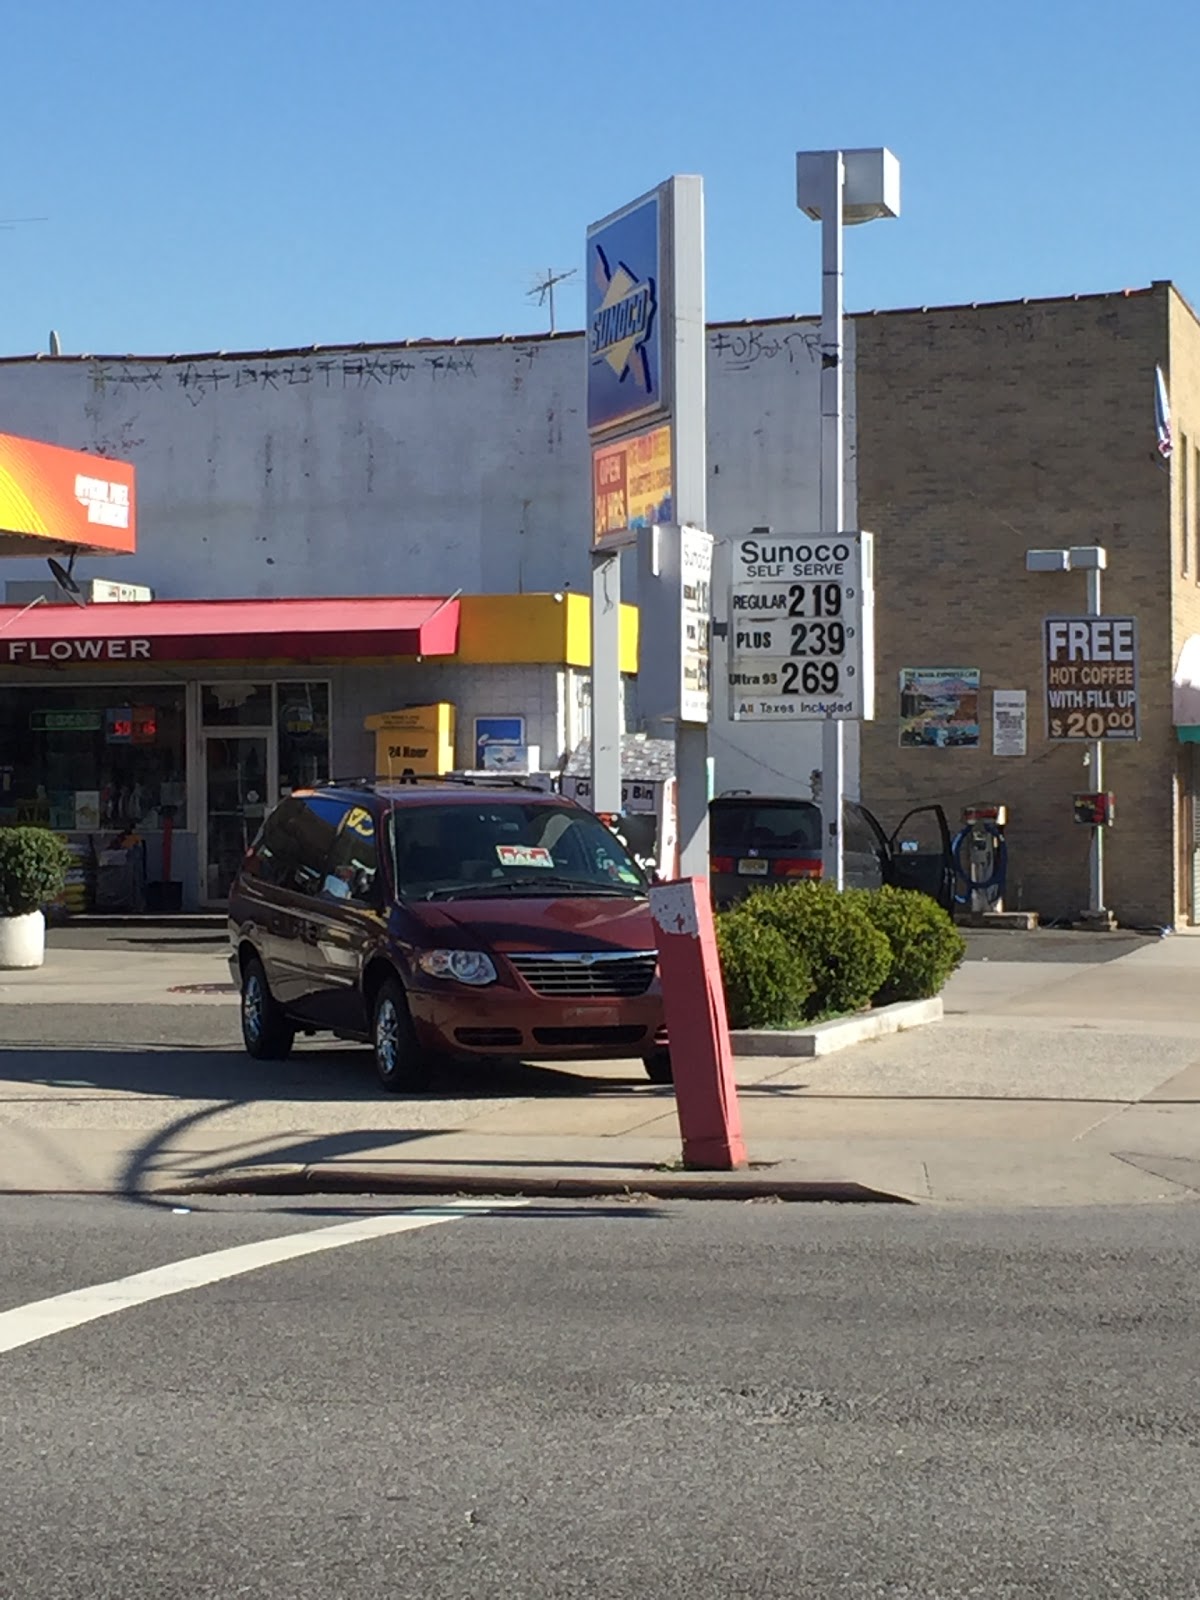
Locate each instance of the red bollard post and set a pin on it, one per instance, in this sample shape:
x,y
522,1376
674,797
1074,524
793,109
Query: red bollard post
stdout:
x,y
710,1120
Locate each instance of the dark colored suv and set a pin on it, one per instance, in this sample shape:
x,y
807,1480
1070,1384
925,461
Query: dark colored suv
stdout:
x,y
445,920
766,840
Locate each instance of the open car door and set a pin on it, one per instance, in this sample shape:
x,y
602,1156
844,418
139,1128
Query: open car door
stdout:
x,y
920,857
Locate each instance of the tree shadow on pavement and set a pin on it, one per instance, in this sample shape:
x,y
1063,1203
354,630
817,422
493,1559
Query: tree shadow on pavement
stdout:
x,y
269,1151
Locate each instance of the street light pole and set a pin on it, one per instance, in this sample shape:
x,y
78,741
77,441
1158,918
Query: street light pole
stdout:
x,y
1096,853
838,188
833,491
1092,559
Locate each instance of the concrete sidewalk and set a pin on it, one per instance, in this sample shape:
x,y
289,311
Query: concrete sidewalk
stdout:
x,y
1067,1071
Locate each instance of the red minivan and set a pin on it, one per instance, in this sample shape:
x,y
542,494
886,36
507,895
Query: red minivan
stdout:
x,y
441,919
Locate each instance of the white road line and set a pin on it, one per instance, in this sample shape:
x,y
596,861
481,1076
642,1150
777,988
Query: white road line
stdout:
x,y
41,1318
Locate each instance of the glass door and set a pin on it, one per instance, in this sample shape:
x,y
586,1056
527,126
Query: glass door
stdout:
x,y
237,783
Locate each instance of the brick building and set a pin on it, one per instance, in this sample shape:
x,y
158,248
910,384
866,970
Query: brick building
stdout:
x,y
988,430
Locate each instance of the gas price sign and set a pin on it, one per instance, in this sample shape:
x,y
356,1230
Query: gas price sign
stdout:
x,y
801,616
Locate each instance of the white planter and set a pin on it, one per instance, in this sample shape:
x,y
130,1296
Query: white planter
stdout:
x,y
22,941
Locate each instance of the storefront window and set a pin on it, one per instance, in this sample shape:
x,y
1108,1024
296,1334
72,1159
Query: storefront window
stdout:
x,y
236,705
83,760
303,732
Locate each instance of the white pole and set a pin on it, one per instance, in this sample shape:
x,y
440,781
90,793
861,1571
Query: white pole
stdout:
x,y
833,749
1096,854
607,719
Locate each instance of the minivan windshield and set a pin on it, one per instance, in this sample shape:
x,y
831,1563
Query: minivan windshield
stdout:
x,y
507,847
740,825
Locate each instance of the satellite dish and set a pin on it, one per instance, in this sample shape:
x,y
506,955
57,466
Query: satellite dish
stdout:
x,y
55,344
65,581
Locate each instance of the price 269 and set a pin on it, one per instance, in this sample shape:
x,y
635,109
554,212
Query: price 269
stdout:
x,y
814,677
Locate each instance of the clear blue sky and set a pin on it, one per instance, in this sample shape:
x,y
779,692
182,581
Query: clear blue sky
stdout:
x,y
237,174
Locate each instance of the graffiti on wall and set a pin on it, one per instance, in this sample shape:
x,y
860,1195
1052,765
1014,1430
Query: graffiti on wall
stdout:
x,y
198,379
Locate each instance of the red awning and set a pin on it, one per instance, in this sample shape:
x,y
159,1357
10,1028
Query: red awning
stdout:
x,y
229,630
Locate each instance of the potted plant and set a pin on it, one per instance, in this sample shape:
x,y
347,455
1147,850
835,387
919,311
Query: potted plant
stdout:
x,y
33,870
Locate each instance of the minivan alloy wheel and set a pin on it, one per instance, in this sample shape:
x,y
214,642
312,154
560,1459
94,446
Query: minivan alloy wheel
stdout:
x,y
252,1006
400,1063
387,1035
266,1031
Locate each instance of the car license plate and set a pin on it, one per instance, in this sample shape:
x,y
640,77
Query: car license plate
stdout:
x,y
753,868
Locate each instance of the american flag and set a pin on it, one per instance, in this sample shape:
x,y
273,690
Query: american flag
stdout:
x,y
1162,414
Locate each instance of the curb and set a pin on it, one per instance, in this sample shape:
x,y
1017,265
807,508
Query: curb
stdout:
x,y
340,1179
823,1038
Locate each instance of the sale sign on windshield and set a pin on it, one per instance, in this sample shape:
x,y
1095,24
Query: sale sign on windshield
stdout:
x,y
801,628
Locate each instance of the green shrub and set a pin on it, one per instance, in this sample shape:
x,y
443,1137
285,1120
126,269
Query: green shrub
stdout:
x,y
926,946
848,958
767,981
33,869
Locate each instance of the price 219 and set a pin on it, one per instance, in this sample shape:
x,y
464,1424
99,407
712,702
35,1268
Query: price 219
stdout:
x,y
815,600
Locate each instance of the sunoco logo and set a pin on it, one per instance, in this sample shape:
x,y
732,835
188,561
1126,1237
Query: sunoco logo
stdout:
x,y
622,322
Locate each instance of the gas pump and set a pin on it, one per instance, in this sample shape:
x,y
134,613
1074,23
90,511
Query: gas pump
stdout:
x,y
981,858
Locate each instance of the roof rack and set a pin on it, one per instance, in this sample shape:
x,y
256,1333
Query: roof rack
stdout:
x,y
499,780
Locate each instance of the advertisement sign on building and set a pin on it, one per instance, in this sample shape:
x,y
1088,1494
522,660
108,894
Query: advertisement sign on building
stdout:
x,y
626,378
415,740
29,652
696,557
492,731
800,628
1091,678
64,498
631,482
939,708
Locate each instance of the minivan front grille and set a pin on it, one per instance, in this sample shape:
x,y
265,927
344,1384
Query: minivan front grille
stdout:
x,y
588,974
584,1037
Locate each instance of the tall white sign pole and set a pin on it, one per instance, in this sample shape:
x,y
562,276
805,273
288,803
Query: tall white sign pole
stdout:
x,y
689,358
646,417
833,454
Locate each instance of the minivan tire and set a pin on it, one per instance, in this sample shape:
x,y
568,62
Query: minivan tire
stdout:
x,y
401,1066
266,1032
658,1066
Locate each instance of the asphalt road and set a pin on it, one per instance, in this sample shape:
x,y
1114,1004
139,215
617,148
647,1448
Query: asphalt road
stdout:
x,y
623,1402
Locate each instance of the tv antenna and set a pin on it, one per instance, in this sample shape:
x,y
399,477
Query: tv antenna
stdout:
x,y
9,223
544,287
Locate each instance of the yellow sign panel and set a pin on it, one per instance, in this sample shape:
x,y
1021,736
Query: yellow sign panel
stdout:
x,y
417,740
632,482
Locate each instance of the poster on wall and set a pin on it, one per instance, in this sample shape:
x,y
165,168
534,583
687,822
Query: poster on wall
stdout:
x,y
939,708
502,734
1009,722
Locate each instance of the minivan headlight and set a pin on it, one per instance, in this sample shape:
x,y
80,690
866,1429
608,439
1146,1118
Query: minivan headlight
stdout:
x,y
465,966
